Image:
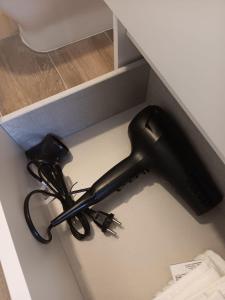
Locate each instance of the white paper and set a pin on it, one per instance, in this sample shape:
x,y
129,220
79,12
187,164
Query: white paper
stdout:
x,y
180,270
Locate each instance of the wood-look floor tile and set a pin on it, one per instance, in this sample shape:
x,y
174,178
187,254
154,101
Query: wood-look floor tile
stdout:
x,y
84,60
25,76
7,26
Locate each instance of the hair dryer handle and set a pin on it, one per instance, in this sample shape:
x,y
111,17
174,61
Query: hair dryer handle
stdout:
x,y
111,181
116,177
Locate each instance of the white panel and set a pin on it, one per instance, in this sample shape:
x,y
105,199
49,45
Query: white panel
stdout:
x,y
45,268
79,107
124,50
157,230
49,24
184,43
16,283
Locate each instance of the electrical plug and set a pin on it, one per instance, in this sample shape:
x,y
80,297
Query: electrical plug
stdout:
x,y
104,221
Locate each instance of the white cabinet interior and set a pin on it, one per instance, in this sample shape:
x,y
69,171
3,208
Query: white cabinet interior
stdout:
x,y
158,229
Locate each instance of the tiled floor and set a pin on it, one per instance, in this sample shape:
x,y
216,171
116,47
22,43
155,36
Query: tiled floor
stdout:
x,y
27,76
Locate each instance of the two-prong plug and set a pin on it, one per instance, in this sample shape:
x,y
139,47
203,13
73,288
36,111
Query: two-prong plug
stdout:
x,y
104,221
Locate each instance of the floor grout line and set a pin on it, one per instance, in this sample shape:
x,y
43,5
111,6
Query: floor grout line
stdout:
x,y
58,72
108,36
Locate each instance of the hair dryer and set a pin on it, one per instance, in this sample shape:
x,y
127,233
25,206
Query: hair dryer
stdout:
x,y
159,145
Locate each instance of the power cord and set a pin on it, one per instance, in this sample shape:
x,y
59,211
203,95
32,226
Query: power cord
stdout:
x,y
50,174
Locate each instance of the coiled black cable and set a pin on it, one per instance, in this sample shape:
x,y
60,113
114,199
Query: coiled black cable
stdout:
x,y
51,175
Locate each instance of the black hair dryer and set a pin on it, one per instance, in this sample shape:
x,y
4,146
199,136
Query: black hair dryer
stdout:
x,y
159,145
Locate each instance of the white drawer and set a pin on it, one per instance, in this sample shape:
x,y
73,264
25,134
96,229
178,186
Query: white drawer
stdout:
x,y
158,230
